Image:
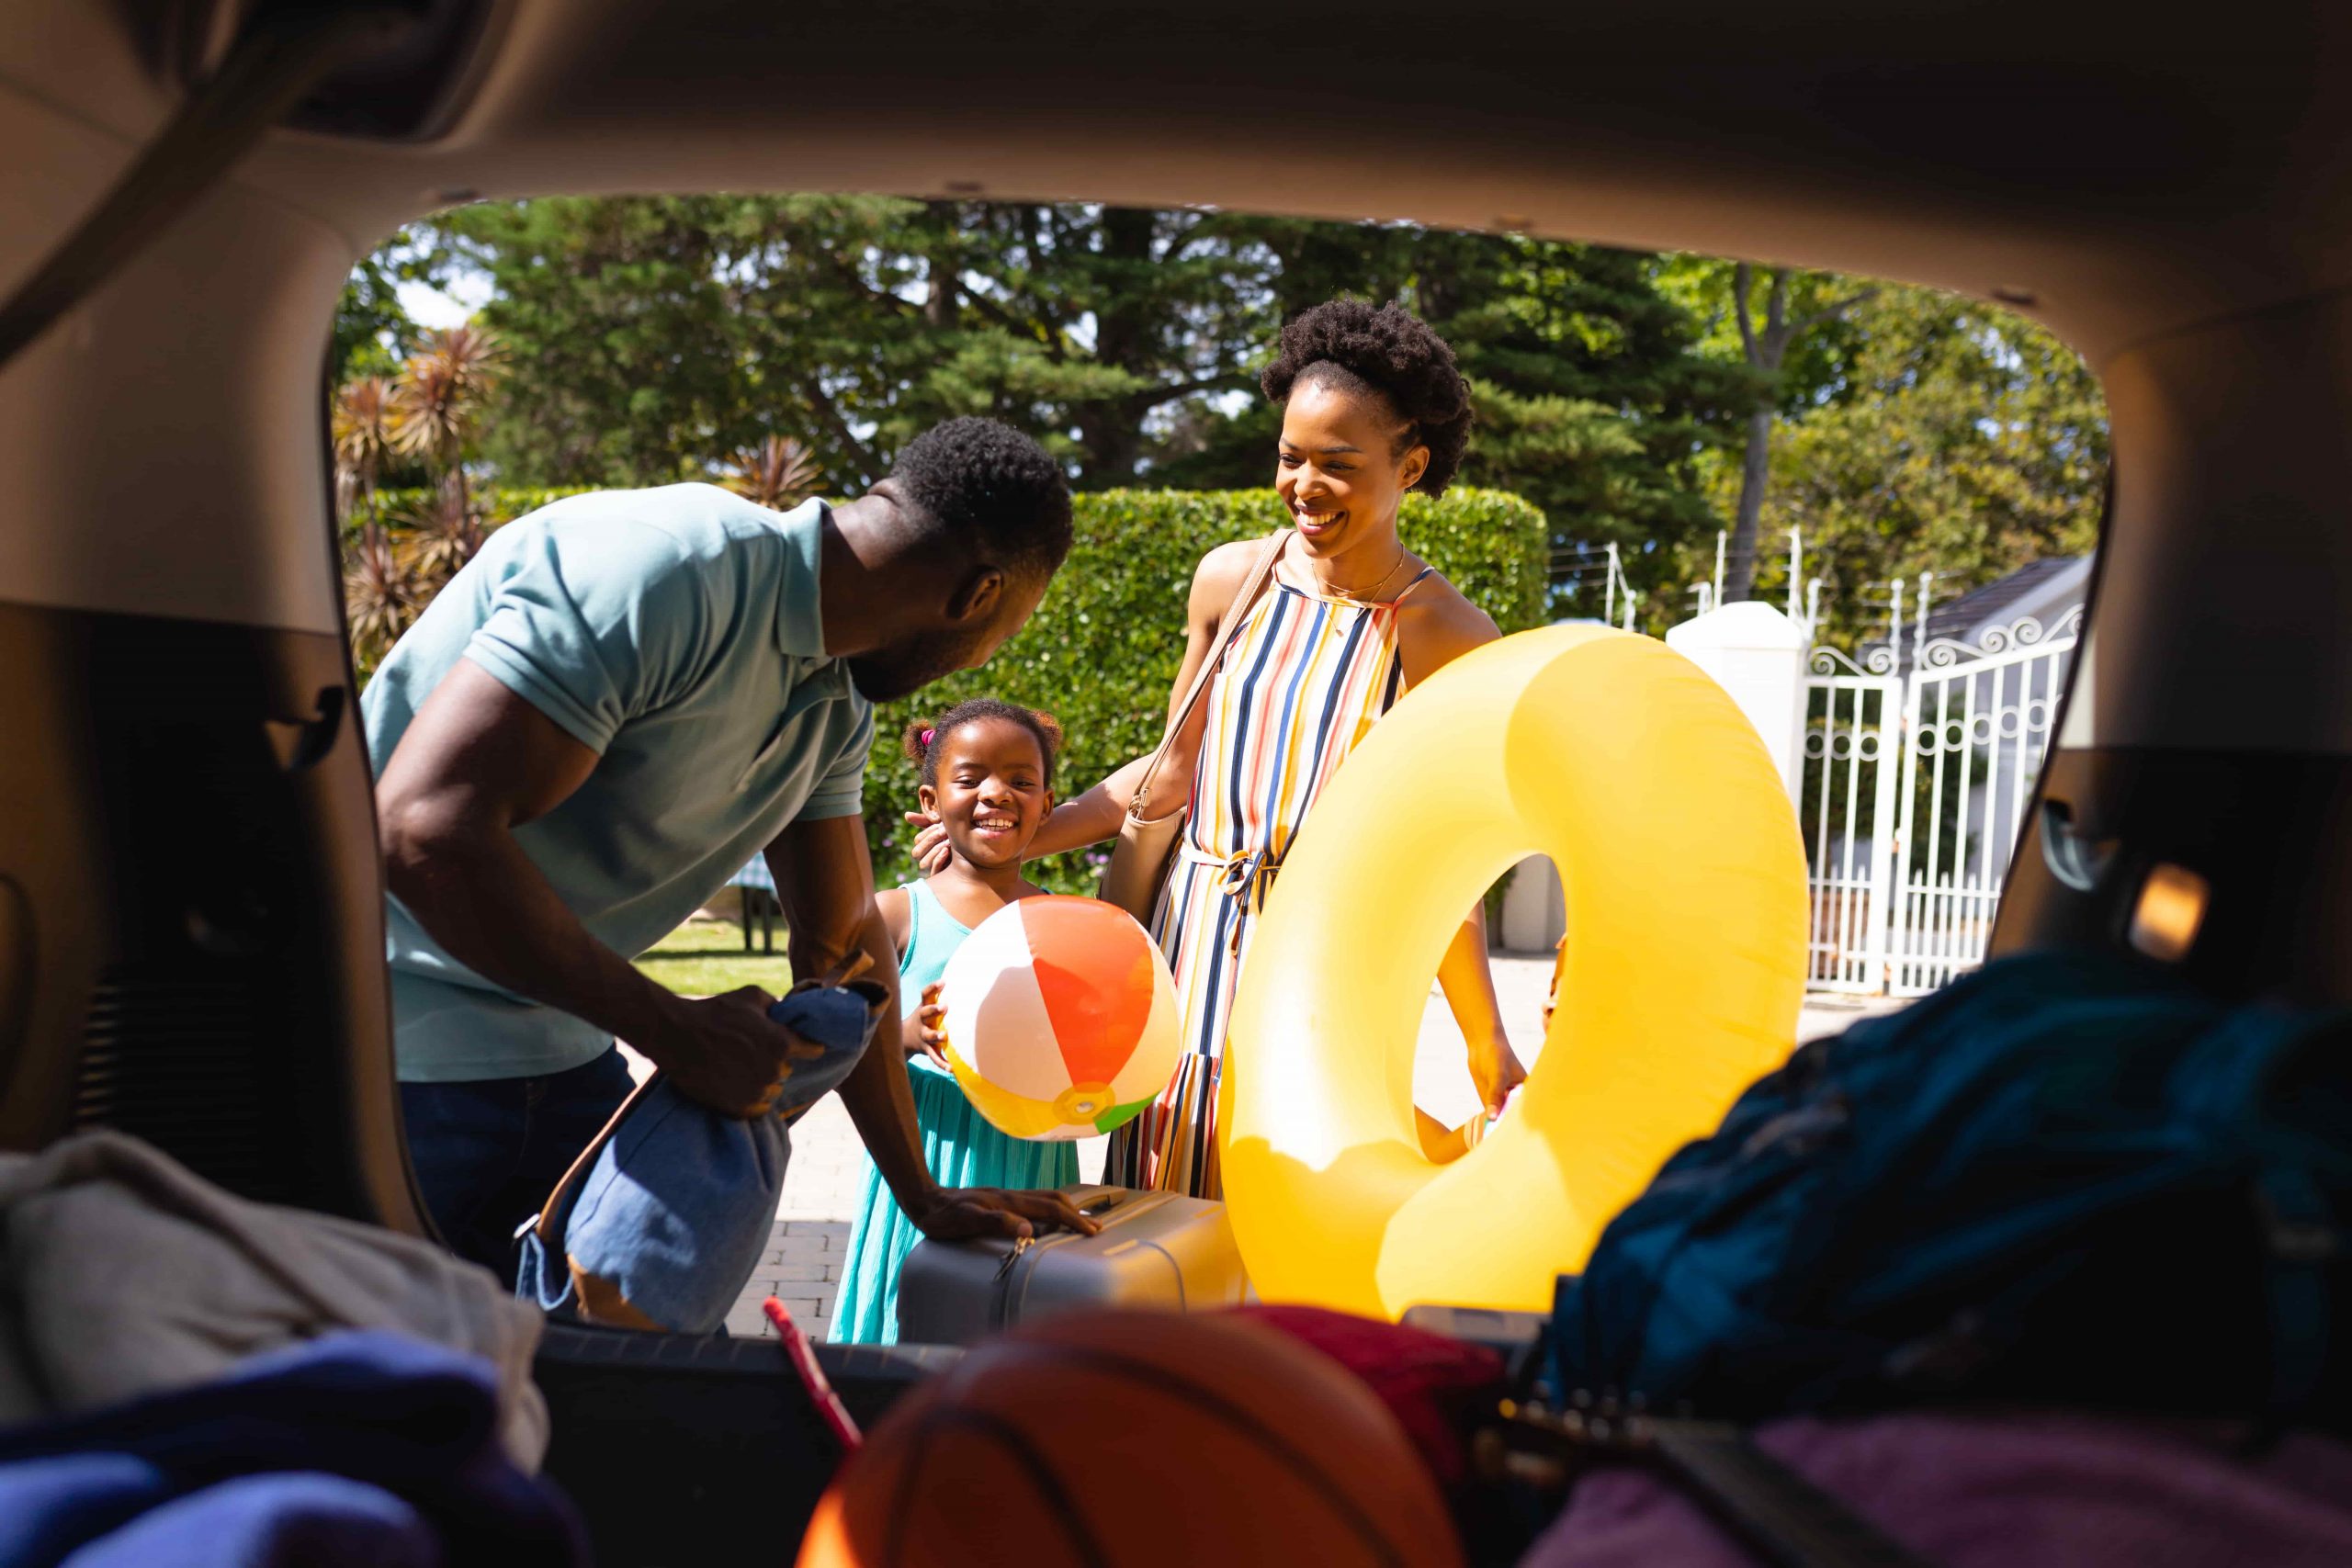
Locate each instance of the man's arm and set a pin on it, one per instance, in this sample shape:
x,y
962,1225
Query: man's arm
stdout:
x,y
824,882
479,762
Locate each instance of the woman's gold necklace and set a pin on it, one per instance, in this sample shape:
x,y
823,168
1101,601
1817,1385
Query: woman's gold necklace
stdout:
x,y
1366,597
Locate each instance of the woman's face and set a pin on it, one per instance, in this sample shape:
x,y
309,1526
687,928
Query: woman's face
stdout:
x,y
1339,472
991,795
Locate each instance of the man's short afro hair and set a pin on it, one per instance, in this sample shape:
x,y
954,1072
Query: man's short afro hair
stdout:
x,y
1389,351
985,482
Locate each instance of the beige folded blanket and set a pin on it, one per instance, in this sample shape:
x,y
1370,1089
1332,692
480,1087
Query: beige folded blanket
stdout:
x,y
123,1274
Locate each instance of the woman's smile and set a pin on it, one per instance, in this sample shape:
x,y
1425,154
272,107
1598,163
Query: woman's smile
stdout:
x,y
1343,465
1316,519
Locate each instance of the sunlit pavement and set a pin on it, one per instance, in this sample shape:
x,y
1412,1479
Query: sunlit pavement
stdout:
x,y
802,1265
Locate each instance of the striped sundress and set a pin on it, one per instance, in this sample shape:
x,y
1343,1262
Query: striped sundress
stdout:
x,y
1301,685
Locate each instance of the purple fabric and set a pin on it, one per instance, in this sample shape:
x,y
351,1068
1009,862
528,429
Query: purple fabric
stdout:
x,y
2003,1492
357,1437
290,1520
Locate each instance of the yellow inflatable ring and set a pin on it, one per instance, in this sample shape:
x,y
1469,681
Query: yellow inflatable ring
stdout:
x,y
1685,879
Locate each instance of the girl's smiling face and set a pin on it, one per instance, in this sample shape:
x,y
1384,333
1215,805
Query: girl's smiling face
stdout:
x,y
1339,472
991,793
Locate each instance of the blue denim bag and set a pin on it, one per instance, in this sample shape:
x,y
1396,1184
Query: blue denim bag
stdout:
x,y
663,1217
2071,1178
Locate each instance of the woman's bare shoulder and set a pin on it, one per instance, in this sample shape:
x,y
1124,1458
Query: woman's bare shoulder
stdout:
x,y
1228,563
1443,609
1222,572
1437,624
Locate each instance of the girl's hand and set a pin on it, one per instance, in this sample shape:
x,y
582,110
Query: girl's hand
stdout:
x,y
1496,1069
931,852
921,1033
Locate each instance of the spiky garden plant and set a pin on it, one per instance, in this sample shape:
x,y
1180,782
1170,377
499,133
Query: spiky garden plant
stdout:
x,y
379,595
361,422
446,532
779,473
436,399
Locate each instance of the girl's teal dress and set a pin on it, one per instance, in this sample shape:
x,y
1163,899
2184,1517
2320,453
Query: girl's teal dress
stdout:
x,y
958,1145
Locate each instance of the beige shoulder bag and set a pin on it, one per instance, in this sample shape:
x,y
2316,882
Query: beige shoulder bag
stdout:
x,y
1147,845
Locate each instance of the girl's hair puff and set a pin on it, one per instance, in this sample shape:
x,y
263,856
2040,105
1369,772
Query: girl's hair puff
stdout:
x,y
923,736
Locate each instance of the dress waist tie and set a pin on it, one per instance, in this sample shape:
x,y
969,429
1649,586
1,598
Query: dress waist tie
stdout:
x,y
1246,878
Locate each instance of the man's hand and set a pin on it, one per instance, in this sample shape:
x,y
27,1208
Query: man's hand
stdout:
x,y
1495,1070
726,1053
921,1033
961,1214
932,850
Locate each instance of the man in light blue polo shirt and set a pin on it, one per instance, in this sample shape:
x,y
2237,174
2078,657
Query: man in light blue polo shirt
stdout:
x,y
621,699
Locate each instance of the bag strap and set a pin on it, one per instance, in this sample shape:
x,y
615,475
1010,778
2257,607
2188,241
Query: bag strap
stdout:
x,y
556,1212
1778,1515
1776,1512
1227,628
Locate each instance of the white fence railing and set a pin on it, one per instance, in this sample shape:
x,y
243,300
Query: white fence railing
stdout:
x,y
1919,767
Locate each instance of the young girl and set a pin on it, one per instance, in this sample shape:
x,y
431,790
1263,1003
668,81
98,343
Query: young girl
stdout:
x,y
988,775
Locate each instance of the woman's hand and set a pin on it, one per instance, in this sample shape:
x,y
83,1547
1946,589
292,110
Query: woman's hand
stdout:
x,y
1495,1068
932,850
921,1033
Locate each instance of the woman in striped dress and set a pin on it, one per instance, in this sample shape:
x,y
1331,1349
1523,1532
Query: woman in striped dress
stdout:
x,y
1372,408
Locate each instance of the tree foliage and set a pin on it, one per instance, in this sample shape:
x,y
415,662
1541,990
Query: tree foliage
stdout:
x,y
652,335
1962,442
652,339
1102,651
372,330
428,414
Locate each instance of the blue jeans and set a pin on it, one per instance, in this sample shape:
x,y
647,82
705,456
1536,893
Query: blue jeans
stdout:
x,y
489,1151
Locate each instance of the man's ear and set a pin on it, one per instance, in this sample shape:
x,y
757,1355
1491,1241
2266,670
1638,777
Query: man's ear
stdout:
x,y
979,596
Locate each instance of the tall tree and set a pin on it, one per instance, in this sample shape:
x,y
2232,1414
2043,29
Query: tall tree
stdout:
x,y
1964,442
1643,401
1591,401
373,331
661,334
1765,345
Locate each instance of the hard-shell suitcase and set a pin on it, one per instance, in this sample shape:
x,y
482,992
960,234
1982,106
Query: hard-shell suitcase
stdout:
x,y
1156,1250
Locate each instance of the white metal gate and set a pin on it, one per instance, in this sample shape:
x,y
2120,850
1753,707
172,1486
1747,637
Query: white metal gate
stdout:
x,y
1917,782
1977,722
1854,723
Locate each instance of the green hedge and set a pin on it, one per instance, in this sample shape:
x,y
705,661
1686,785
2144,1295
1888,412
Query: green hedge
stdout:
x,y
1101,652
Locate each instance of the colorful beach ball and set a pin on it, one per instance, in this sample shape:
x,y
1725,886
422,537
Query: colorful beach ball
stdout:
x,y
1061,1017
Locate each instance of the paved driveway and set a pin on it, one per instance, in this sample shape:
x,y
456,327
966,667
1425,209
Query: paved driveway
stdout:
x,y
803,1263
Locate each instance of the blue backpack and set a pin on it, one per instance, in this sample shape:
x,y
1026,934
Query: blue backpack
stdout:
x,y
661,1220
2064,1180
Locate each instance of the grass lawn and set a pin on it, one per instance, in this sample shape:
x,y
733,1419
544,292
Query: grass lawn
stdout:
x,y
704,957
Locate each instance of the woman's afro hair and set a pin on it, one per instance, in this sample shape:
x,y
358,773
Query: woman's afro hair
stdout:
x,y
920,741
1389,351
